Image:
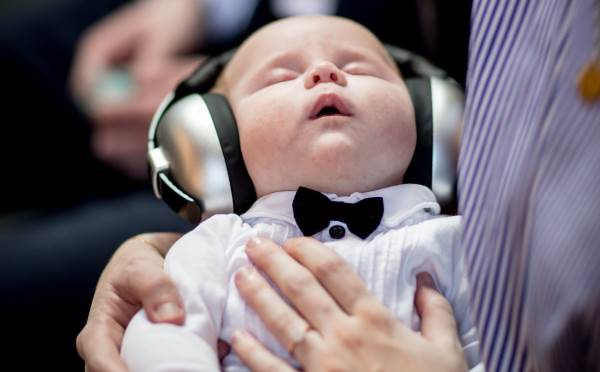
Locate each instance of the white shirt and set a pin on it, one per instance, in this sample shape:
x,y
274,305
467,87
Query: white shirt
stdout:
x,y
411,238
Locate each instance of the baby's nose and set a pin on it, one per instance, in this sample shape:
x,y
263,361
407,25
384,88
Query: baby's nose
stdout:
x,y
324,72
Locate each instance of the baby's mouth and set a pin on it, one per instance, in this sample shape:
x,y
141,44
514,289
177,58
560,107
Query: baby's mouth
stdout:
x,y
328,111
329,105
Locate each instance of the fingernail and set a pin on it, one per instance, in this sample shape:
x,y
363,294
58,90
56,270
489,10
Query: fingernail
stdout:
x,y
254,242
168,310
245,273
424,279
239,335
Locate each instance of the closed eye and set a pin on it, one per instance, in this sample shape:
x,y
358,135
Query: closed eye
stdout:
x,y
360,69
280,75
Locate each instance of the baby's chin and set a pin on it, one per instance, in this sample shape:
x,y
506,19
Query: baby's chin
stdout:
x,y
343,170
333,149
345,183
340,179
333,163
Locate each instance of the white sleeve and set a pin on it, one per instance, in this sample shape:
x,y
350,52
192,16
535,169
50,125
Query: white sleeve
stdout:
x,y
197,265
459,298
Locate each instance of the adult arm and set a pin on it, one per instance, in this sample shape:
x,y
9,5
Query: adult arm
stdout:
x,y
134,277
339,325
196,263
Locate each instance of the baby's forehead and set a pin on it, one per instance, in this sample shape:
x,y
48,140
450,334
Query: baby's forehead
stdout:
x,y
304,34
313,32
294,40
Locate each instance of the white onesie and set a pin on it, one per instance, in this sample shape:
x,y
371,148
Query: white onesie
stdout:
x,y
411,238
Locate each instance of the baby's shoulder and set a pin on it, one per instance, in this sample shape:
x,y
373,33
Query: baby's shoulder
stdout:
x,y
215,233
220,223
435,232
440,233
441,225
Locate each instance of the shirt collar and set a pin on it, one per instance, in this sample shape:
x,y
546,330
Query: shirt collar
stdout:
x,y
400,202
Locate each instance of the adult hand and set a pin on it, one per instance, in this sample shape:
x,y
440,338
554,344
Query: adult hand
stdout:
x,y
120,129
147,39
338,325
133,277
142,30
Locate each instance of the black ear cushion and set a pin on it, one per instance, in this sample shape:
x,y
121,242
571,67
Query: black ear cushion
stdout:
x,y
205,76
420,168
412,65
242,188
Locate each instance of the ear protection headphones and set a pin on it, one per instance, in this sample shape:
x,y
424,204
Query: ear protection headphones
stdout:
x,y
196,162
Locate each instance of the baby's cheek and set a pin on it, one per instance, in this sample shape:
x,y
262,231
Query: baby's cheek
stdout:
x,y
258,142
262,151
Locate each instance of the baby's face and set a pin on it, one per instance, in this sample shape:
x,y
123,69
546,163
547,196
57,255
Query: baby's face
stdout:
x,y
320,104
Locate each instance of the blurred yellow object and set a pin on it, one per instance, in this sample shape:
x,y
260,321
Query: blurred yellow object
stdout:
x,y
589,81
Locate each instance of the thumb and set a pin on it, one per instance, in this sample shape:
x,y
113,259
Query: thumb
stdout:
x,y
437,318
146,283
97,345
164,305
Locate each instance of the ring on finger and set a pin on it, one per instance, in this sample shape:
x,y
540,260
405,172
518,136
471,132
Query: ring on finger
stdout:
x,y
295,337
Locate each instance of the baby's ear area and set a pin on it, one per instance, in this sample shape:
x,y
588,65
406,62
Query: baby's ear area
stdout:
x,y
221,86
208,75
242,190
194,152
196,160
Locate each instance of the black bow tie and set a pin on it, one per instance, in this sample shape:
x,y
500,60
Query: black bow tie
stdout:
x,y
313,211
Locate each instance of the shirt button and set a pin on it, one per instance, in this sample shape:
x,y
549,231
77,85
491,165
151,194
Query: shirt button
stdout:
x,y
337,231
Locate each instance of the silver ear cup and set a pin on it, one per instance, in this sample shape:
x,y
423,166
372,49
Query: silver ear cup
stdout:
x,y
447,116
187,148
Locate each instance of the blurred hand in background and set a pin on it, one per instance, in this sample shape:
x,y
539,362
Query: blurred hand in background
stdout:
x,y
120,127
149,43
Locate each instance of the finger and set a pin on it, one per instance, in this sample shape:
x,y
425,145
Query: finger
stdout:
x,y
164,72
437,318
98,344
126,142
255,355
120,138
295,281
346,287
306,350
123,149
133,113
145,281
110,41
162,301
279,318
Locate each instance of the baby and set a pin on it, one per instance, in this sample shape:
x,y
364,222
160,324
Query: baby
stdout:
x,y
320,105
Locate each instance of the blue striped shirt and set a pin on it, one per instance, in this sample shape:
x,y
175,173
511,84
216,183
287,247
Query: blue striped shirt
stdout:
x,y
529,185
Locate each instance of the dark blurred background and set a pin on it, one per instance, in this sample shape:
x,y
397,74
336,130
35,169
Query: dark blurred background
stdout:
x,y
65,205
